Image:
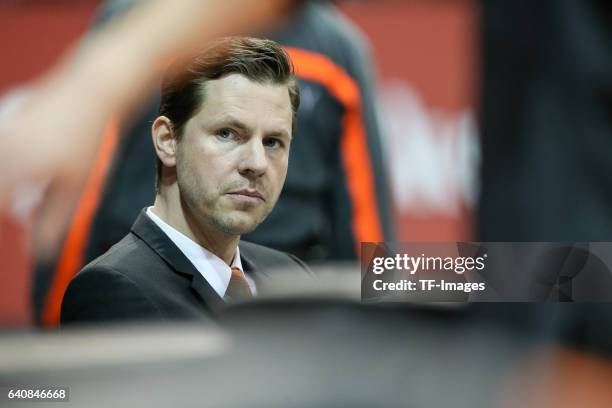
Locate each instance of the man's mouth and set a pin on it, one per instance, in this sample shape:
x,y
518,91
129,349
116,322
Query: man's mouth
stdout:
x,y
247,195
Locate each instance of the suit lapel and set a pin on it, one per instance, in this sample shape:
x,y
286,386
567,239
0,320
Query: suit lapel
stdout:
x,y
252,269
159,242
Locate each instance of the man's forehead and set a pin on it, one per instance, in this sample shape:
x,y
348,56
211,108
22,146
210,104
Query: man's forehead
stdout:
x,y
235,95
239,86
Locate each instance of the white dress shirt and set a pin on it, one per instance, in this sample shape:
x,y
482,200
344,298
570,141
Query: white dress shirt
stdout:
x,y
216,272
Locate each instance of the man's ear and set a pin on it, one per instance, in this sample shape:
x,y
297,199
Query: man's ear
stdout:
x,y
164,140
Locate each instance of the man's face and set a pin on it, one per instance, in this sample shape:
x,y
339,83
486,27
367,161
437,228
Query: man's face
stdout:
x,y
231,160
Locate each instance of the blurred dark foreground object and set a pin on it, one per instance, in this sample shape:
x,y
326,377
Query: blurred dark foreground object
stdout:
x,y
302,352
546,121
276,355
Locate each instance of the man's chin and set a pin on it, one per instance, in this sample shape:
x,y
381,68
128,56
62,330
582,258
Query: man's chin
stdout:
x,y
239,224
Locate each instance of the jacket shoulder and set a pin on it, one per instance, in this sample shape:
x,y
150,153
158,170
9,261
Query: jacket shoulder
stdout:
x,y
266,257
130,257
108,288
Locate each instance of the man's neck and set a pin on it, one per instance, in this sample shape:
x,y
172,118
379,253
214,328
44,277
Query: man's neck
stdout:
x,y
179,218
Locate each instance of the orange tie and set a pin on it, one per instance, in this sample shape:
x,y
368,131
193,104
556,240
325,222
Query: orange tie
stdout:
x,y
238,288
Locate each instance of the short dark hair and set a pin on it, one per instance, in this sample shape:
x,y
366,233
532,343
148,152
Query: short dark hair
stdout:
x,y
260,60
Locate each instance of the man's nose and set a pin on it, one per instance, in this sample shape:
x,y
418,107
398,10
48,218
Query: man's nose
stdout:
x,y
254,161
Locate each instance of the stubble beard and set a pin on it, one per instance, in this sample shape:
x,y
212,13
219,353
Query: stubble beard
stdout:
x,y
210,212
215,210
226,221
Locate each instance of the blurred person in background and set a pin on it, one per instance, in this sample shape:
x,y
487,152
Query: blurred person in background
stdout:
x,y
222,141
336,194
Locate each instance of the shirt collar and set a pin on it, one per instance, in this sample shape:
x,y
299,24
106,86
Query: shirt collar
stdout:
x,y
216,272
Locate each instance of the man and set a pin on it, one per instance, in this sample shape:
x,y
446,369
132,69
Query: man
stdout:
x,y
222,142
340,192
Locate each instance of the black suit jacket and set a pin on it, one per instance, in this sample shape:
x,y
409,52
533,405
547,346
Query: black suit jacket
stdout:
x,y
145,276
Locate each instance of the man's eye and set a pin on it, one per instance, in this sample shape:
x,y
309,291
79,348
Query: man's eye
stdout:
x,y
225,133
273,143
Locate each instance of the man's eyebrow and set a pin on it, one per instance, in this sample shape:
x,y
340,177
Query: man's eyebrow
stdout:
x,y
283,134
233,123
